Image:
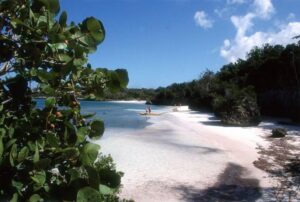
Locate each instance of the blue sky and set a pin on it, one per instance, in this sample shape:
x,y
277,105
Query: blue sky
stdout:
x,y
161,42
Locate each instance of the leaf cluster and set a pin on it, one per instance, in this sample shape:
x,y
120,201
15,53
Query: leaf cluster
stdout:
x,y
47,154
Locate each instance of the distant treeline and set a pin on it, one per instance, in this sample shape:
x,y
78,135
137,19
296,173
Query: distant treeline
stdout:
x,y
266,83
131,94
126,94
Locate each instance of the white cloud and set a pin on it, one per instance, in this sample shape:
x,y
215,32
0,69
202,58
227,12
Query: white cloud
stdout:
x,y
223,12
291,16
202,20
242,44
264,8
242,23
236,1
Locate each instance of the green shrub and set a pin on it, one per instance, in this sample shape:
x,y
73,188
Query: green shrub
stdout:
x,y
45,154
278,132
237,107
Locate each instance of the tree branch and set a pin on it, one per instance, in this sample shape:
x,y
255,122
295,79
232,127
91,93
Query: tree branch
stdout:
x,y
5,68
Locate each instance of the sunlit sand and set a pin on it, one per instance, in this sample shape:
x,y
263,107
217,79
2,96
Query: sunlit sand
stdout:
x,y
180,156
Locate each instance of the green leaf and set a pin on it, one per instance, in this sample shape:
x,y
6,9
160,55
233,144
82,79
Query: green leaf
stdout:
x,y
23,154
114,83
39,178
97,129
11,132
2,132
89,154
95,28
35,198
52,140
64,57
88,194
16,22
36,156
93,179
57,46
13,154
50,102
70,153
74,174
1,146
52,5
79,62
9,143
33,72
45,76
87,116
47,89
2,119
63,19
105,190
17,185
14,198
81,133
123,77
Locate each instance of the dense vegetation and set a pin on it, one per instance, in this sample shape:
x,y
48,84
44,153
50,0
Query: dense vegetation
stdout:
x,y
45,154
266,83
127,94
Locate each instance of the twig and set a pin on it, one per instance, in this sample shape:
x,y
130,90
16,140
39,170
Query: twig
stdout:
x,y
4,69
7,101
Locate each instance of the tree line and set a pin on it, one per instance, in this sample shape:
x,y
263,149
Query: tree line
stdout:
x,y
266,83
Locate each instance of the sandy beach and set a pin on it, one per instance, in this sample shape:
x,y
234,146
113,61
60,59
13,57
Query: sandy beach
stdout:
x,y
188,156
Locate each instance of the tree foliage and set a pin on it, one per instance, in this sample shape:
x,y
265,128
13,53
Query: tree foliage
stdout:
x,y
46,154
267,82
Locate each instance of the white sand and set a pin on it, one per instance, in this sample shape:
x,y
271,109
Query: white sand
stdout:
x,y
181,151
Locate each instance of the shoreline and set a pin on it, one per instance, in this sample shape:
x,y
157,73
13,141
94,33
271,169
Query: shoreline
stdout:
x,y
184,154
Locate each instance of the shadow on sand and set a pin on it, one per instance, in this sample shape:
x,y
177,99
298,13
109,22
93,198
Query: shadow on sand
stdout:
x,y
231,186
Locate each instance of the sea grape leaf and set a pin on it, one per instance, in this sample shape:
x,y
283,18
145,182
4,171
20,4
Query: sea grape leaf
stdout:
x,y
47,89
13,154
96,29
52,140
14,198
93,175
89,154
17,185
36,156
1,146
81,133
63,19
52,5
35,198
50,102
69,153
123,77
97,128
105,190
23,154
39,178
88,194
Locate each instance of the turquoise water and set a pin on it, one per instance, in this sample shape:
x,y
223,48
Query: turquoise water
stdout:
x,y
117,115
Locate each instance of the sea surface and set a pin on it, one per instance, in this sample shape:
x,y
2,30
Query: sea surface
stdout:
x,y
117,116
